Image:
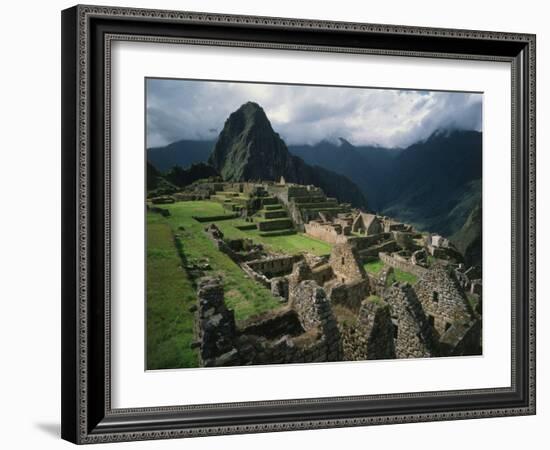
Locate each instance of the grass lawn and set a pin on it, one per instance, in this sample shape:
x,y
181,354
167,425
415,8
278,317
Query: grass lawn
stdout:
x,y
473,300
243,295
169,295
374,266
294,243
374,299
170,291
398,275
402,277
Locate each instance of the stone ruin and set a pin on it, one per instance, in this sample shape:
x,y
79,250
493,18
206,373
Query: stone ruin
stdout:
x,y
331,309
303,331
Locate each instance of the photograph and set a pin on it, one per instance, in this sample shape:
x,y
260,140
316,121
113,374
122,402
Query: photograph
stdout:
x,y
293,223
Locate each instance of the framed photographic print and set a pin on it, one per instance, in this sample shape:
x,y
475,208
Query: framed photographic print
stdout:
x,y
280,224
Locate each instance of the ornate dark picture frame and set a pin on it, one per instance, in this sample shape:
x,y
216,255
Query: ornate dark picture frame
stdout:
x,y
87,34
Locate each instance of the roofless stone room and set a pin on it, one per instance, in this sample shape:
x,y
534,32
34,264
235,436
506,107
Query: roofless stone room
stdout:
x,y
311,224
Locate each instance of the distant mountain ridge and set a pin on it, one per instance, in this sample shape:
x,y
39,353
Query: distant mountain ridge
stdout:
x,y
366,166
435,183
181,153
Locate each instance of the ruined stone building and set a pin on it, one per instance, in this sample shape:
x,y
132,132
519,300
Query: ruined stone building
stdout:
x,y
368,224
331,309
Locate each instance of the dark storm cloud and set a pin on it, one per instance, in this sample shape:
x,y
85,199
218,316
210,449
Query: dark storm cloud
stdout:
x,y
180,109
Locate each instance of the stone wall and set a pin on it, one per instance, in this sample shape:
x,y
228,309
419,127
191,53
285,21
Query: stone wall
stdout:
x,y
443,300
412,335
303,331
404,240
312,306
365,242
371,336
215,325
279,288
322,274
162,211
216,236
378,281
349,295
345,264
462,340
274,324
399,263
327,232
191,196
274,224
375,250
274,266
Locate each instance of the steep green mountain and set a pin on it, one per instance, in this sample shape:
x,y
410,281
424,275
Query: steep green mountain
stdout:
x,y
431,179
180,153
249,149
468,240
367,166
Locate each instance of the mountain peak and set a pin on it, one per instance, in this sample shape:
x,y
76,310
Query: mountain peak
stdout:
x,y
249,149
344,143
250,111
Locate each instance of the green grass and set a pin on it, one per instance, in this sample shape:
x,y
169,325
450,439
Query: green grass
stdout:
x,y
374,266
293,244
169,295
170,292
243,295
402,277
297,243
473,300
374,299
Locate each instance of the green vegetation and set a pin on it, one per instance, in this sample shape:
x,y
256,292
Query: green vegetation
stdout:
x,y
344,315
170,291
397,275
156,184
374,266
243,295
473,300
374,299
239,229
468,239
401,277
169,295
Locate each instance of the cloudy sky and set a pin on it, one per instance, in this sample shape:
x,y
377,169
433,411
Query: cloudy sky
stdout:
x,y
185,109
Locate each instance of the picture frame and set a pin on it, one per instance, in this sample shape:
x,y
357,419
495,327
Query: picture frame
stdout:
x,y
87,413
